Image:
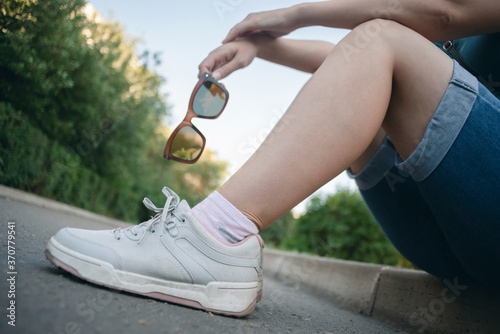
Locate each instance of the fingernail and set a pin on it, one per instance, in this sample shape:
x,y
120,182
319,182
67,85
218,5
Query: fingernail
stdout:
x,y
217,75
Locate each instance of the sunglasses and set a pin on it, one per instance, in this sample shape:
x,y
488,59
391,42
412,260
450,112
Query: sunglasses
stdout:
x,y
208,100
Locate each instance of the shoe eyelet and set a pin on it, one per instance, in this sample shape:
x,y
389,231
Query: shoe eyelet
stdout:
x,y
183,220
153,231
135,234
119,238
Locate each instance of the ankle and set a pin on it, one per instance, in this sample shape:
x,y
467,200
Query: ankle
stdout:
x,y
224,221
255,219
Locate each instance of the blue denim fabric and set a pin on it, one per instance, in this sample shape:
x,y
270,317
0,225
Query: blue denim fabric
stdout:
x,y
441,207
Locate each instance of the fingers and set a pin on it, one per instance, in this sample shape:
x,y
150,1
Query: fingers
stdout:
x,y
274,23
228,58
206,66
215,61
234,33
246,27
227,69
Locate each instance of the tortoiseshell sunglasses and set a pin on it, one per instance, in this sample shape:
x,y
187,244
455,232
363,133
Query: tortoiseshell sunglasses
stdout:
x,y
208,100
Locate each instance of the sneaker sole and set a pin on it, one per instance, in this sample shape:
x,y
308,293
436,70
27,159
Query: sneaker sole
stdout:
x,y
227,298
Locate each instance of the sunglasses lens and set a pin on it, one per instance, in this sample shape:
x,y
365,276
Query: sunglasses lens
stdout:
x,y
209,100
187,144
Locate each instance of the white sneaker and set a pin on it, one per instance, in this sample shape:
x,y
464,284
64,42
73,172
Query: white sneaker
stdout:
x,y
170,257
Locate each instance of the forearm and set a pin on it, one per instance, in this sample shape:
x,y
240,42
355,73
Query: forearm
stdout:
x,y
302,55
438,20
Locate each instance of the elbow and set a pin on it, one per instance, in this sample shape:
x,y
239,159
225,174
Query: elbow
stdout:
x,y
445,18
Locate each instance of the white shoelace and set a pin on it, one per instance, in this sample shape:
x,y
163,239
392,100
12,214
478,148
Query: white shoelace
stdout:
x,y
163,216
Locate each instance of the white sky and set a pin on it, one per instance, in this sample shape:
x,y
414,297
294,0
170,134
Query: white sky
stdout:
x,y
184,32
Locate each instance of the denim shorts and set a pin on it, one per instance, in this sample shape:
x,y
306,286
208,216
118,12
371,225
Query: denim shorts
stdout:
x,y
441,206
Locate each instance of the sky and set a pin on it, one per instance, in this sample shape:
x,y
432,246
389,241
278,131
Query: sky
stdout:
x,y
184,32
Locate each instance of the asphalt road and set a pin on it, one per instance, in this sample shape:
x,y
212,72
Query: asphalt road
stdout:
x,y
50,301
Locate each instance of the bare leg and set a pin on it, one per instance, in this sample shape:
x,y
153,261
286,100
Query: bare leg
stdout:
x,y
395,81
368,154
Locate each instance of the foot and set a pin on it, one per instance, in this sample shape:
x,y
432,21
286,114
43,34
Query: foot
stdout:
x,y
170,257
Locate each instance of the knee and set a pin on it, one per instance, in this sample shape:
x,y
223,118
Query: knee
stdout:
x,y
375,35
381,29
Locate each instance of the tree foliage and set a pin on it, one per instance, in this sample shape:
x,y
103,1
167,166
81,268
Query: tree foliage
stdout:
x,y
339,226
81,113
276,235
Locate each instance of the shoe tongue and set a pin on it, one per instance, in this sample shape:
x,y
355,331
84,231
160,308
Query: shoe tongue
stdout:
x,y
183,206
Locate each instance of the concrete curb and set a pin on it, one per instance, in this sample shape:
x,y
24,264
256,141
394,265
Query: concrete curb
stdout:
x,y
410,300
24,197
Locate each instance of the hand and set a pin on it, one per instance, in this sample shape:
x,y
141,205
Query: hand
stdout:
x,y
229,57
275,23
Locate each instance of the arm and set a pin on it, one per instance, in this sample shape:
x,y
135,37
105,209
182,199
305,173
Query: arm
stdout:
x,y
301,55
437,20
304,56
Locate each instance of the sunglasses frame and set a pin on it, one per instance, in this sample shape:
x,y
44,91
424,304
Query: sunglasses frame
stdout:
x,y
190,115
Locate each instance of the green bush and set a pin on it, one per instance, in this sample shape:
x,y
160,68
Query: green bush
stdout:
x,y
32,162
339,226
275,235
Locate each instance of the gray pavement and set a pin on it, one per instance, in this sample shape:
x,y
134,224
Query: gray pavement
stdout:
x,y
50,301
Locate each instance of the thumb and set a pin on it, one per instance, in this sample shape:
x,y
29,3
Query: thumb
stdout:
x,y
228,68
224,71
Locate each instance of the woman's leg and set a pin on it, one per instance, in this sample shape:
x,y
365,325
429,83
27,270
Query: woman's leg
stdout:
x,y
381,74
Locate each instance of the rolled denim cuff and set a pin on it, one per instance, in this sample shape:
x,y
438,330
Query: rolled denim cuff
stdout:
x,y
444,127
376,169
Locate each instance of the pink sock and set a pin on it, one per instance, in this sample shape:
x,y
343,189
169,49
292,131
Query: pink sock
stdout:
x,y
223,220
